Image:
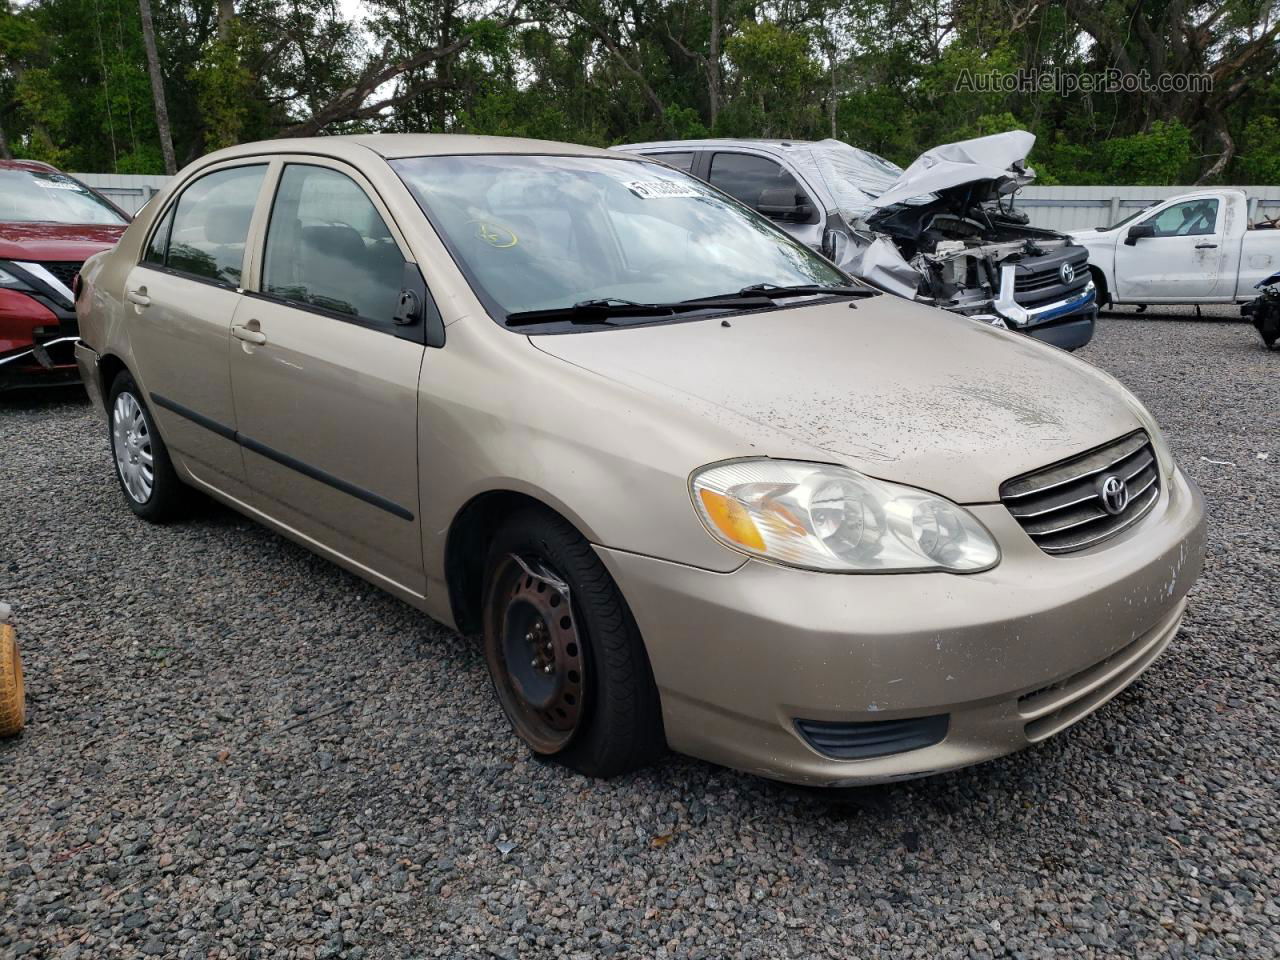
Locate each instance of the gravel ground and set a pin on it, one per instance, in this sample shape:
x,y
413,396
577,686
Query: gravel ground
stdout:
x,y
238,750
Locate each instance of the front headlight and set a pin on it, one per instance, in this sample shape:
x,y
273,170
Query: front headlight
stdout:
x,y
10,280
821,517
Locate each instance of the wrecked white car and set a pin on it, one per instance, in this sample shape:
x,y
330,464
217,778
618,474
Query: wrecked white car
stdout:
x,y
943,231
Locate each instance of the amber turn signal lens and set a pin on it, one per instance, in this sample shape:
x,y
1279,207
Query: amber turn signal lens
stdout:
x,y
732,520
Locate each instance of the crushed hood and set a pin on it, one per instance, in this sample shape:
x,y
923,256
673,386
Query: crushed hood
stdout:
x,y
897,390
999,157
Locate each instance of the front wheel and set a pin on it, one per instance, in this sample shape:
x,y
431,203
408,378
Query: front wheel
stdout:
x,y
566,658
151,486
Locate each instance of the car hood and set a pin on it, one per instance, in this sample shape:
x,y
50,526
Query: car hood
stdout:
x,y
55,241
897,390
999,158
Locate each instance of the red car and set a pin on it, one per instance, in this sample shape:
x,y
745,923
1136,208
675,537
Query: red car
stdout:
x,y
49,224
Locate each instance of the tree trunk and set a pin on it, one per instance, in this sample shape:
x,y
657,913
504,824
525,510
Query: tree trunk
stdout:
x,y
713,64
4,145
157,87
226,13
1228,151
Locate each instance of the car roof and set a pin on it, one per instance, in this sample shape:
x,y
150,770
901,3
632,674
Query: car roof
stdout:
x,y
770,145
393,146
35,166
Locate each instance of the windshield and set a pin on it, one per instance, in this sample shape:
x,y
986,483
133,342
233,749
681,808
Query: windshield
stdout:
x,y
854,177
35,196
540,233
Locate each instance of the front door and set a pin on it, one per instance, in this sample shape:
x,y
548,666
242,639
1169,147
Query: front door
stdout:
x,y
326,391
183,295
1182,261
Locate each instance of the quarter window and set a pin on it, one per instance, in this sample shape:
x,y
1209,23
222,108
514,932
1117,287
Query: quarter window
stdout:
x,y
328,247
160,241
210,225
756,181
1191,218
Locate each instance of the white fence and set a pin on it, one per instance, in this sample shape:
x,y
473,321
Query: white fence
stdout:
x,y
1079,208
128,191
1056,208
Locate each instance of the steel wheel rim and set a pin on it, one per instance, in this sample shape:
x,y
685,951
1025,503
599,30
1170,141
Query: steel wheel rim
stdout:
x,y
535,654
131,441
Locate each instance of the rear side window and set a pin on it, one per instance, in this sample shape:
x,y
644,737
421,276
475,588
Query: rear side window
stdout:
x,y
749,178
211,223
328,247
681,161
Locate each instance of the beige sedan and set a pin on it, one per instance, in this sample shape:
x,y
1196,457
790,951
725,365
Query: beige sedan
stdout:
x,y
694,487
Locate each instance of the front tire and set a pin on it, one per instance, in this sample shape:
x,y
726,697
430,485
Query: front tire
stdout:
x,y
566,658
150,485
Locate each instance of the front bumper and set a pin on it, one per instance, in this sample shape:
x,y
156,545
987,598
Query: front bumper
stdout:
x,y
1066,323
37,340
1011,656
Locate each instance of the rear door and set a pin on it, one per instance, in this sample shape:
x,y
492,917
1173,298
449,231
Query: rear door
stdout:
x,y
1183,261
182,296
325,380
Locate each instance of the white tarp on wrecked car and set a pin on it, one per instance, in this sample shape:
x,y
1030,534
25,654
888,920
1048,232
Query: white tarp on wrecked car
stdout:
x,y
1000,156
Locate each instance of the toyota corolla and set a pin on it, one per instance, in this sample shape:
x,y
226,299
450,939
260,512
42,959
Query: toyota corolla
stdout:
x,y
691,485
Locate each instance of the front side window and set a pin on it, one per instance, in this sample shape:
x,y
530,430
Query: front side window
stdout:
x,y
539,233
1192,218
211,224
328,247
756,181
39,196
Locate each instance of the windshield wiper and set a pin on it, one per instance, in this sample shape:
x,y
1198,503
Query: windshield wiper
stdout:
x,y
603,310
775,292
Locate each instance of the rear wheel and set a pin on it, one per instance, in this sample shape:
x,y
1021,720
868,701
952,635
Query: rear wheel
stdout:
x,y
566,658
151,486
13,711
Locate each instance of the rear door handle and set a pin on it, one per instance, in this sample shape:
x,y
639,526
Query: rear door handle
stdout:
x,y
248,335
1206,246
139,297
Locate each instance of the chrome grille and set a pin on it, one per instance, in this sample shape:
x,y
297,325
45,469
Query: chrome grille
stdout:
x,y
1062,507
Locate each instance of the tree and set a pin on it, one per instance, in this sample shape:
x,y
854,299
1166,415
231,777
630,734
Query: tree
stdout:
x,y
157,87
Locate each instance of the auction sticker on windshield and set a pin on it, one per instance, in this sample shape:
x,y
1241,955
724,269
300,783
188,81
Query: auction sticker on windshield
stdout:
x,y
660,189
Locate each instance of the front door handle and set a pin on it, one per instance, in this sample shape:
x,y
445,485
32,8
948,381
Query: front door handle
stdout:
x,y
248,335
139,297
1206,246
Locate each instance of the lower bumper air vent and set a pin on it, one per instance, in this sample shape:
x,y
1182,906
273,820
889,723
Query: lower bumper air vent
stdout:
x,y
876,738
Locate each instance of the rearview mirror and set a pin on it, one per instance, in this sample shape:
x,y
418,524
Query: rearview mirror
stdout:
x,y
784,203
1139,231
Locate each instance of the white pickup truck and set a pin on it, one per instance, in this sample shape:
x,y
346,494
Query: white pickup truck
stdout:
x,y
1194,248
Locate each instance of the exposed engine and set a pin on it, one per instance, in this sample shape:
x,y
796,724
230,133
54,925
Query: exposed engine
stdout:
x,y
960,243
1264,311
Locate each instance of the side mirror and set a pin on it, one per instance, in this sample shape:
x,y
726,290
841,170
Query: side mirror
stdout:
x,y
1139,231
785,203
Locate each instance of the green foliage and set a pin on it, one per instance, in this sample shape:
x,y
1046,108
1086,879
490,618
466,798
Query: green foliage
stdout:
x,y
223,88
1260,152
775,79
881,74
1158,157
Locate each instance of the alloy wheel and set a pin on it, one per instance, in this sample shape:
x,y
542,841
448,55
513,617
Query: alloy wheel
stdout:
x,y
131,441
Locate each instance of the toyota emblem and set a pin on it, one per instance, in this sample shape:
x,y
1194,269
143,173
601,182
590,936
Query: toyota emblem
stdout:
x,y
1115,494
1067,273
